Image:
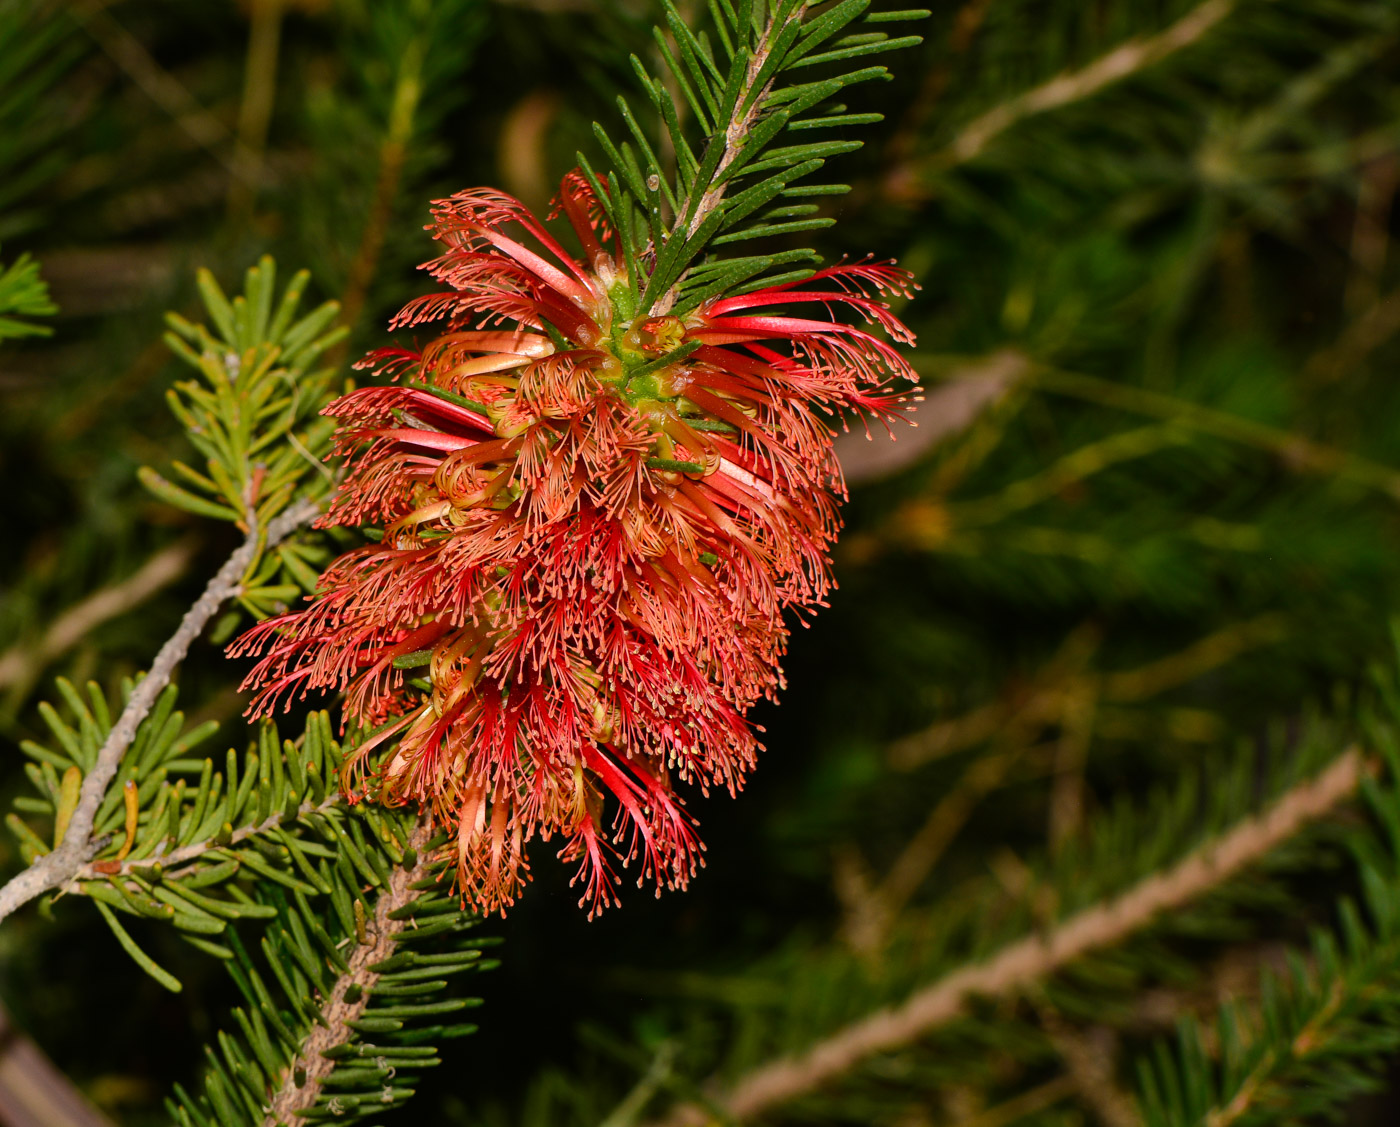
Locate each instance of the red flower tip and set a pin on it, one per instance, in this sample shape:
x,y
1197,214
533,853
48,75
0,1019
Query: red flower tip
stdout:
x,y
593,522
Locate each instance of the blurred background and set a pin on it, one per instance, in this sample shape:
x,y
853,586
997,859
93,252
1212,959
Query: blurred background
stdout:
x,y
1148,520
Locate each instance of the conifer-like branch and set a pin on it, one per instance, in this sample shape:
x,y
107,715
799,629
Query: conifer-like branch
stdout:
x,y
350,996
201,850
63,864
737,129
354,983
728,167
1320,1028
1037,956
1070,86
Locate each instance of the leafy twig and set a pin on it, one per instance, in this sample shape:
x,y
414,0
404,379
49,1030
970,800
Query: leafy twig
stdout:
x,y
736,132
309,1071
1075,85
195,851
1036,956
56,868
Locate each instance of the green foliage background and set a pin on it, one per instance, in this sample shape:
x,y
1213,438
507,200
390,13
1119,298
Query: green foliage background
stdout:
x,y
1162,561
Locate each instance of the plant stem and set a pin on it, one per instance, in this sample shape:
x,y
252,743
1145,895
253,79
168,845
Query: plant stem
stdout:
x,y
1037,956
56,868
1075,85
292,1097
196,850
736,133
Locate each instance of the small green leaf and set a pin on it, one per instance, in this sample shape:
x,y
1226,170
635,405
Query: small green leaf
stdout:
x,y
142,960
183,499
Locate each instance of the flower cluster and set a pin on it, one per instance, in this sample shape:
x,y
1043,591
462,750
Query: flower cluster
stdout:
x,y
593,520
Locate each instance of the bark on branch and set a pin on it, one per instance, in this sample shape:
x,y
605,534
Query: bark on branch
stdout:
x,y
56,868
293,1097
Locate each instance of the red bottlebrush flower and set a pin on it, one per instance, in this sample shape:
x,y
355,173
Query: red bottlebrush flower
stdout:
x,y
593,522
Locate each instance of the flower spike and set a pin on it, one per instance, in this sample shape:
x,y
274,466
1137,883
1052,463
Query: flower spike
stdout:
x,y
594,519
